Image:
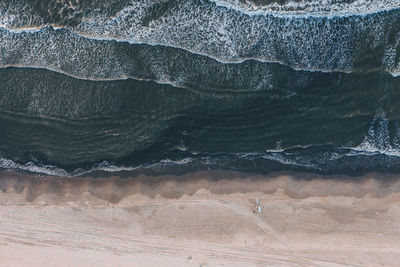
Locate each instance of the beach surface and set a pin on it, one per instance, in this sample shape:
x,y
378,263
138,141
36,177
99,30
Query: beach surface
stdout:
x,y
206,218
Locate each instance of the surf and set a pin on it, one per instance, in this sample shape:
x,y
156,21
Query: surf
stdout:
x,y
325,43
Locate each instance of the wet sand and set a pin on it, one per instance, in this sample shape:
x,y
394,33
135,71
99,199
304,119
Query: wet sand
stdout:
x,y
200,219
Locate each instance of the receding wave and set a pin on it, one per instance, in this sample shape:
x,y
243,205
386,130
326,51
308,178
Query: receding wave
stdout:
x,y
311,159
101,166
319,43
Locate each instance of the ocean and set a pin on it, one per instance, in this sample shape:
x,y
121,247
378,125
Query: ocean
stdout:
x,y
165,86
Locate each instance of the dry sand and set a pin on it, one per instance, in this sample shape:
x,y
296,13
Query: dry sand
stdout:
x,y
200,219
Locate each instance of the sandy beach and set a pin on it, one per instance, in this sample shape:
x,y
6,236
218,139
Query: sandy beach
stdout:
x,y
200,219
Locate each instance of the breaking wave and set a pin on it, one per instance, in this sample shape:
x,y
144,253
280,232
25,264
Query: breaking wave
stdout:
x,y
379,151
380,139
222,31
99,60
302,74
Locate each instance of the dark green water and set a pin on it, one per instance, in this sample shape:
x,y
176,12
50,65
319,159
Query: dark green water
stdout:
x,y
313,92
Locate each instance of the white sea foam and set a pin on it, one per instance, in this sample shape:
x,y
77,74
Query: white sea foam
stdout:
x,y
102,166
311,8
64,51
31,167
391,58
283,159
313,35
379,139
324,36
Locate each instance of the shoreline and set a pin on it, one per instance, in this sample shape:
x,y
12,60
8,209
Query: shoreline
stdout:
x,y
207,218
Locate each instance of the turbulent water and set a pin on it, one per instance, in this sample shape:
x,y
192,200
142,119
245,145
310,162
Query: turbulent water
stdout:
x,y
156,85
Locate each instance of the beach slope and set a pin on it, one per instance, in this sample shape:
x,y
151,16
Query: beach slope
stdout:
x,y
200,219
